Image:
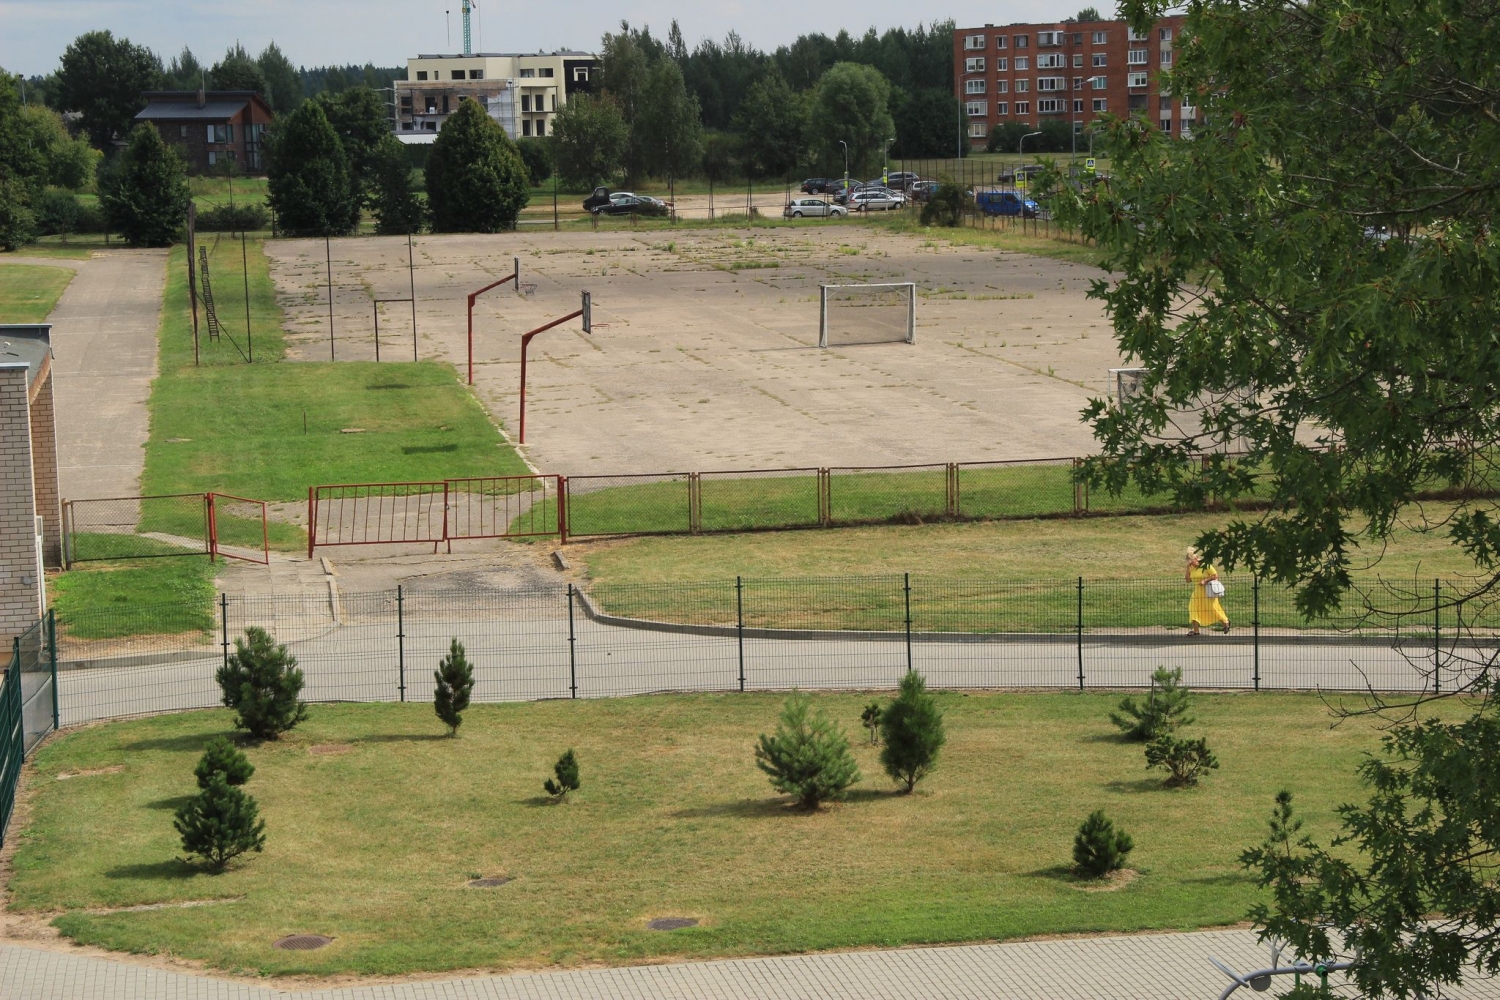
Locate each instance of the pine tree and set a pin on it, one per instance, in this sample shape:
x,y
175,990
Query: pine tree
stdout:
x,y
220,823
1163,710
808,757
911,727
1099,848
566,770
261,683
1183,760
145,193
455,681
870,719
224,758
307,176
476,181
394,199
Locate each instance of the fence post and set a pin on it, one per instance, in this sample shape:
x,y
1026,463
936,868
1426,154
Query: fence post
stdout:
x,y
825,498
400,643
224,623
1080,633
562,510
906,581
1255,627
52,660
695,514
210,527
312,522
572,644
953,498
1437,635
739,627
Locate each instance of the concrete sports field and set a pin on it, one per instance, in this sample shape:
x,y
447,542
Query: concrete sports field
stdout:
x,y
704,353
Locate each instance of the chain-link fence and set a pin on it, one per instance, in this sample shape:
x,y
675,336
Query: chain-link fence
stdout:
x,y
182,524
28,706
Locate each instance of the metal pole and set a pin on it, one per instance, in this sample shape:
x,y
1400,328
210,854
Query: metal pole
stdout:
x,y
328,259
1437,636
906,587
52,660
521,437
1255,626
555,224
401,641
739,618
411,274
192,271
1080,633
572,650
245,271
224,623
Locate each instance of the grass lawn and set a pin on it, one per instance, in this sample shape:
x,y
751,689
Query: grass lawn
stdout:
x,y
155,596
373,846
28,292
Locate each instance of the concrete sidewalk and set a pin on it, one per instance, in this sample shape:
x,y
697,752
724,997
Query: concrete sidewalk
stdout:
x,y
1138,967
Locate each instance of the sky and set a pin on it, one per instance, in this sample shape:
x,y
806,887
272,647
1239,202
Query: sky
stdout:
x,y
33,33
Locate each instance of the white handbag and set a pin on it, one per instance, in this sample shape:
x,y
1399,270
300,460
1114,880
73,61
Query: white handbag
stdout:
x,y
1214,588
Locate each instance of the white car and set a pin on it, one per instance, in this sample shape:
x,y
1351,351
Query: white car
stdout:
x,y
875,199
815,208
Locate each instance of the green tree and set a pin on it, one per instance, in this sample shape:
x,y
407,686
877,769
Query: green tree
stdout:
x,y
145,194
911,729
220,823
536,153
454,679
185,72
262,684
237,71
808,757
102,78
307,176
772,126
283,82
947,205
394,199
626,59
17,221
929,122
870,719
851,104
565,777
1088,14
362,122
1183,760
476,182
223,758
1162,710
589,136
1006,137
1099,848
668,129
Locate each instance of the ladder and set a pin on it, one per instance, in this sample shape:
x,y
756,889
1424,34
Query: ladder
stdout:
x,y
208,294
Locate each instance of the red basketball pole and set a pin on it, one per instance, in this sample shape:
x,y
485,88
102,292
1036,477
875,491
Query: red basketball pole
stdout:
x,y
514,276
586,312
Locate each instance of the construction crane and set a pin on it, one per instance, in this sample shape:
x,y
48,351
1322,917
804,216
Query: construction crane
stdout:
x,y
468,44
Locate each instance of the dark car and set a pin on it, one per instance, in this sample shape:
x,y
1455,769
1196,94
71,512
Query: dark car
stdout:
x,y
597,200
922,190
625,203
841,193
901,180
816,185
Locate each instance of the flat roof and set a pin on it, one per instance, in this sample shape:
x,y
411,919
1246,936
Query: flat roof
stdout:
x,y
189,110
28,344
505,55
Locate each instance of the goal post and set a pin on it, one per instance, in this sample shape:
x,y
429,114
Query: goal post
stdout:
x,y
867,314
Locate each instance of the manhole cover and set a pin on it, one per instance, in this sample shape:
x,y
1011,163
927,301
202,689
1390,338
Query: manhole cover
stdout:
x,y
488,883
303,942
672,923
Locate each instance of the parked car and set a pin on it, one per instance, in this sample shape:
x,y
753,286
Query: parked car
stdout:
x,y
815,208
875,199
597,200
816,185
626,203
993,202
922,190
840,192
900,180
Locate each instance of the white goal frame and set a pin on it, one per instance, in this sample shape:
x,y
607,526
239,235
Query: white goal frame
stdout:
x,y
911,308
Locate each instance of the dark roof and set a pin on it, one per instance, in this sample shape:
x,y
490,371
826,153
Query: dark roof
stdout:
x,y
189,110
26,344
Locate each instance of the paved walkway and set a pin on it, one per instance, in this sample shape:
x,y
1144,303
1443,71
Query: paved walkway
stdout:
x,y
1140,967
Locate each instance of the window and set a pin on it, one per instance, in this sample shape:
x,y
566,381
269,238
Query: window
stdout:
x,y
430,126
1101,58
1077,38
999,41
528,74
1051,83
547,71
1022,64
1077,107
458,74
1166,34
541,127
525,102
1137,57
406,126
973,86
580,74
1002,64
1164,104
1002,109
1001,86
526,127
973,41
1099,82
1077,83
1050,106
1078,60
1047,39
421,74
1166,124
1166,57
1101,104
1022,86
1137,36
182,131
213,158
1022,41
974,64
1051,60
484,100
1137,102
476,74
1101,37
978,131
977,109
1023,107
220,133
551,102
1136,80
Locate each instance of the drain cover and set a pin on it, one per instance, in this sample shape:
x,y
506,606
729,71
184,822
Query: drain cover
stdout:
x,y
672,923
488,883
303,942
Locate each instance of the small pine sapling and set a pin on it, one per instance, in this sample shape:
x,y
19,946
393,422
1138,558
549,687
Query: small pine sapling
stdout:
x,y
1163,709
1183,760
220,823
911,727
1099,848
261,683
870,719
455,682
223,757
566,770
808,757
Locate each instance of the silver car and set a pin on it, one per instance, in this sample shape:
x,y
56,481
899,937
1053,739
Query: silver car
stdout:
x,y
875,199
815,208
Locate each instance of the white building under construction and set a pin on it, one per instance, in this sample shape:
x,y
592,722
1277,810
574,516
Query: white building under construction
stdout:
x,y
521,91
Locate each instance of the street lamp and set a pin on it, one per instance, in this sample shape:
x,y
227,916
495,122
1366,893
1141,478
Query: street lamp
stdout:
x,y
885,161
846,168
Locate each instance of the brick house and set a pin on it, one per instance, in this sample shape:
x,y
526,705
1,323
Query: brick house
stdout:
x,y
30,507
211,128
1067,71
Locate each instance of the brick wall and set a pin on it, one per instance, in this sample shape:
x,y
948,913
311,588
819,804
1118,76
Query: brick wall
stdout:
x,y
19,591
44,472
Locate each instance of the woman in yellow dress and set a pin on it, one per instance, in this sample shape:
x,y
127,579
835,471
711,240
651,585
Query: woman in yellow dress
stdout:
x,y
1203,609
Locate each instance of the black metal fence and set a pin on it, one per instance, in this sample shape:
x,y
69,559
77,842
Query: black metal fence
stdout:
x,y
743,634
28,706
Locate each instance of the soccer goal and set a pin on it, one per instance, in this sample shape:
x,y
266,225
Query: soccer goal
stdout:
x,y
868,314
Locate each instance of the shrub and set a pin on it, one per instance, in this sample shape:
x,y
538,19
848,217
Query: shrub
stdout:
x,y
566,770
245,218
1184,760
224,758
144,193
809,757
870,719
1163,710
911,727
220,823
946,206
455,681
1099,848
261,683
537,155
17,221
56,212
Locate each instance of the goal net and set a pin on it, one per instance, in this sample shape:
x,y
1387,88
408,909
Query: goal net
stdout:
x,y
868,314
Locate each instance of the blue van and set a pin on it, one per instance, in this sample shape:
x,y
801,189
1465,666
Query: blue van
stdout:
x,y
1005,203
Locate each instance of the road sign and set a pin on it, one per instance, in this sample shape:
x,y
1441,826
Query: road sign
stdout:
x,y
1089,164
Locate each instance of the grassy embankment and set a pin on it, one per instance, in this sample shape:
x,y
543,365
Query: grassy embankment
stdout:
x,y
373,843
29,292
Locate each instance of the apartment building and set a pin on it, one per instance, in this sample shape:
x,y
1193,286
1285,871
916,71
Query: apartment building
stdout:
x,y
1067,71
523,92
